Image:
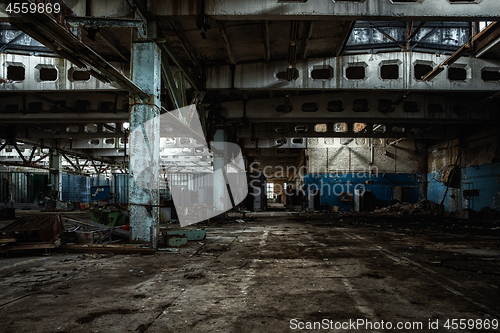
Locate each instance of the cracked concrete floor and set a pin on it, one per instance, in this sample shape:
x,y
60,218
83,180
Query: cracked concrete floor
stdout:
x,y
256,277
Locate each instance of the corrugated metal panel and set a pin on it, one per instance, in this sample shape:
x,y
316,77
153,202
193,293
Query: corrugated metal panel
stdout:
x,y
17,184
4,188
121,187
75,188
25,187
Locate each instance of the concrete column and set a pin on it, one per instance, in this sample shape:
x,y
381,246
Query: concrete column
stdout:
x,y
145,145
219,187
55,164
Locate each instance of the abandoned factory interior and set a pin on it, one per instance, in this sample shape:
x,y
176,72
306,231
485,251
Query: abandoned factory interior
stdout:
x,y
249,166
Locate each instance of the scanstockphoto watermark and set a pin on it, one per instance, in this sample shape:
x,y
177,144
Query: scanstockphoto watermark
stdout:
x,y
357,184
365,324
358,324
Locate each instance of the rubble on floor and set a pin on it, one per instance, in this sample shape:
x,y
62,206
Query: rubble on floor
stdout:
x,y
87,232
420,206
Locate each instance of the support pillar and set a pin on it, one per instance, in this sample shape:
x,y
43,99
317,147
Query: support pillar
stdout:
x,y
145,145
219,187
55,175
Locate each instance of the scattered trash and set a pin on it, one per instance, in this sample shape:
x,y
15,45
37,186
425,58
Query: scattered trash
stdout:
x,y
86,232
194,276
170,269
405,207
169,249
402,263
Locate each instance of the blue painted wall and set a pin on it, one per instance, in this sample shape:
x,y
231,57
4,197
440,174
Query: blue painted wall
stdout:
x,y
382,186
436,190
485,178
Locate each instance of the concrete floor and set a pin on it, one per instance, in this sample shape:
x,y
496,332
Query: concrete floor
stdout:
x,y
259,275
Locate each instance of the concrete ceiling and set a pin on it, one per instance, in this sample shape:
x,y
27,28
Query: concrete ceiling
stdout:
x,y
238,33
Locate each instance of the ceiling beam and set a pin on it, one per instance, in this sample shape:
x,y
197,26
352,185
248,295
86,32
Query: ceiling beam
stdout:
x,y
225,41
366,74
62,118
188,48
267,44
435,10
115,46
100,22
361,106
307,33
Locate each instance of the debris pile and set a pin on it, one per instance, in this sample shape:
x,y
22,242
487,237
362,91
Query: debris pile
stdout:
x,y
423,206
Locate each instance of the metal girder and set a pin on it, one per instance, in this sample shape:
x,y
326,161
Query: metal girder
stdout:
x,y
166,154
180,67
449,61
115,46
473,107
487,42
49,32
227,44
413,32
62,118
3,146
186,129
437,10
269,138
12,41
386,35
19,152
357,72
170,84
45,150
141,10
267,43
99,22
78,145
34,133
76,167
360,106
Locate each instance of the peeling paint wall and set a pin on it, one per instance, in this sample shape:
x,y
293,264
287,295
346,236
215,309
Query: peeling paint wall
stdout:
x,y
333,155
478,157
394,171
